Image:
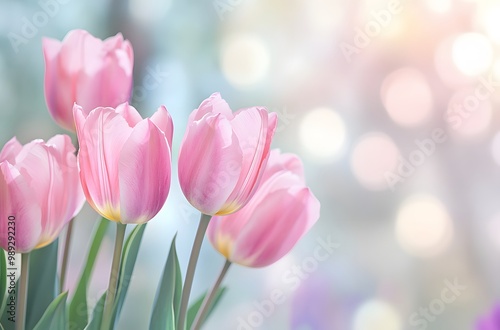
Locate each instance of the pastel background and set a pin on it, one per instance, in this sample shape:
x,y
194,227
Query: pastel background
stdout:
x,y
393,107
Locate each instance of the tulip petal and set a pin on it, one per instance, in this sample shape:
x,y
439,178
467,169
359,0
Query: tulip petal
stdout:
x,y
106,78
75,50
57,86
131,115
262,242
124,50
10,151
161,118
102,137
109,86
67,205
209,163
51,48
79,117
215,105
76,55
18,200
223,230
254,128
283,162
144,172
39,166
62,147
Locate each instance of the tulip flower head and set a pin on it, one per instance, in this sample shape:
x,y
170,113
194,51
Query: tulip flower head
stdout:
x,y
282,210
223,155
88,71
124,161
40,192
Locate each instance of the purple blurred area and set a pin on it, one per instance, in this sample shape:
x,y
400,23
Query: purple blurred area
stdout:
x,y
393,107
490,321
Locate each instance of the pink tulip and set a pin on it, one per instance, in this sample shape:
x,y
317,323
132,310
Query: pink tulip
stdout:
x,y
88,71
282,210
124,161
39,191
223,155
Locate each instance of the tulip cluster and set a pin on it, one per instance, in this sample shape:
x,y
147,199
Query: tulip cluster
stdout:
x,y
253,200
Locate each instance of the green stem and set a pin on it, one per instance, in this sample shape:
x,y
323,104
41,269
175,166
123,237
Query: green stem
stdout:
x,y
209,298
113,278
23,292
65,258
193,259
67,243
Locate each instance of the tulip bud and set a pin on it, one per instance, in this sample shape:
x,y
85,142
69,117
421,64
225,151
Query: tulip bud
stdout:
x,y
88,71
282,210
223,155
124,161
40,192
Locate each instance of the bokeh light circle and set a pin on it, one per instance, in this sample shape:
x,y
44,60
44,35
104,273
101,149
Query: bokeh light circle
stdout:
x,y
376,314
407,97
472,53
445,67
439,6
489,19
245,60
468,115
423,226
323,133
372,157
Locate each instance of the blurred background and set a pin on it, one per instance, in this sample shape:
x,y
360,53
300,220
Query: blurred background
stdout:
x,y
393,107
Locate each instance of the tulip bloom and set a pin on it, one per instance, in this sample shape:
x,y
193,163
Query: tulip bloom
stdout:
x,y
223,155
40,192
282,210
88,71
124,161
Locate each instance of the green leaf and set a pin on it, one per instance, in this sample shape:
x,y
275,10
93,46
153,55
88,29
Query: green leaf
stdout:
x,y
95,323
129,257
55,316
194,308
168,296
178,281
42,282
3,280
78,310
